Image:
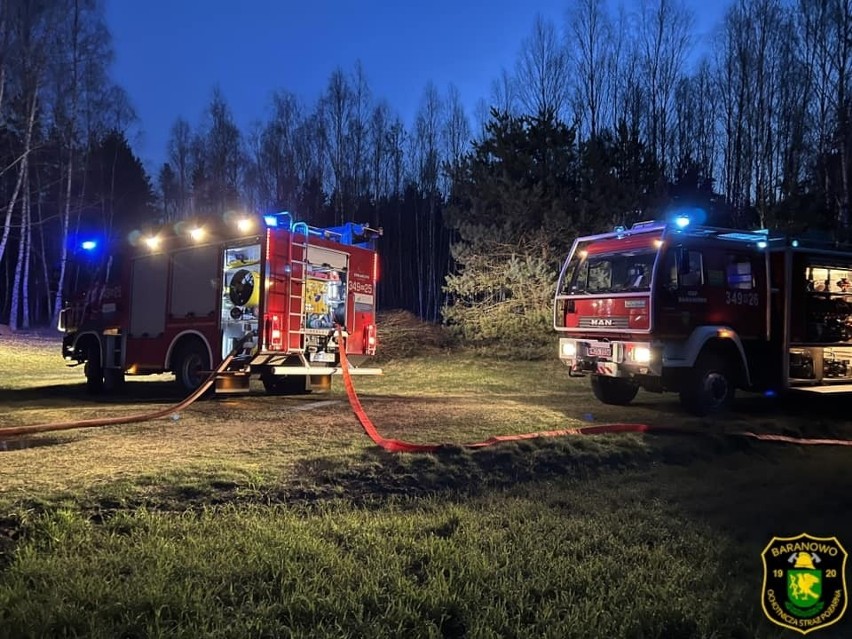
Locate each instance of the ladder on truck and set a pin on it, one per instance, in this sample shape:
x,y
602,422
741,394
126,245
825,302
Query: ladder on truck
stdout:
x,y
298,259
296,288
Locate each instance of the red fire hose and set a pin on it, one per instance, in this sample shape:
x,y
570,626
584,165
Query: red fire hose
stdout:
x,y
115,421
396,445
399,446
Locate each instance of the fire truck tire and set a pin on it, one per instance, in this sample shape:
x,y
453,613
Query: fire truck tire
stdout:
x,y
611,390
709,386
94,369
191,366
113,379
285,385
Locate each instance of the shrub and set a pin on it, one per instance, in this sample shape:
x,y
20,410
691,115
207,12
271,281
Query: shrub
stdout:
x,y
502,293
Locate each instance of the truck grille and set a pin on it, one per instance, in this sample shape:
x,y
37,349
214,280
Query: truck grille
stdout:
x,y
603,322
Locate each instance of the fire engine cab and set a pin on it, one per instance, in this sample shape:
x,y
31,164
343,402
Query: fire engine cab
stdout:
x,y
183,299
703,311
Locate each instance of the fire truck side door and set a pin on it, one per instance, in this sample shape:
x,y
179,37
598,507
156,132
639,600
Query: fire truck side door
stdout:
x,y
741,295
325,293
148,295
241,287
681,291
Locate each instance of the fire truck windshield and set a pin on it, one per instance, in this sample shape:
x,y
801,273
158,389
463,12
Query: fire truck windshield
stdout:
x,y
624,272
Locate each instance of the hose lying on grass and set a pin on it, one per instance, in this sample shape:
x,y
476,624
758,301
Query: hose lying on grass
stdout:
x,y
115,421
399,446
396,445
18,431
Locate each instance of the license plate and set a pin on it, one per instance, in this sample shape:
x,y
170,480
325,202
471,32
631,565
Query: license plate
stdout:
x,y
322,357
603,350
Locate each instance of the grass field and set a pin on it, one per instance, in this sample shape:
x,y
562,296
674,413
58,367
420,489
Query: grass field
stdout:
x,y
275,517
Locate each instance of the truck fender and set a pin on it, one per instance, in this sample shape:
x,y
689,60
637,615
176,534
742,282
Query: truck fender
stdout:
x,y
179,338
684,354
85,337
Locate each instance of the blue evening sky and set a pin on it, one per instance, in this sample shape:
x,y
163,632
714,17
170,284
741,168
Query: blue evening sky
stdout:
x,y
171,53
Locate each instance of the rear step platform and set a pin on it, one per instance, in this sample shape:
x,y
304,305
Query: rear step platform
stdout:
x,y
833,388
232,382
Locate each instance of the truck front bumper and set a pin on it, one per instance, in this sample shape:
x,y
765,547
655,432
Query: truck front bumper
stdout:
x,y
610,359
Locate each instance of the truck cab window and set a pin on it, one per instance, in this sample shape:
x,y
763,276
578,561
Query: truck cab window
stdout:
x,y
739,272
691,269
613,273
668,273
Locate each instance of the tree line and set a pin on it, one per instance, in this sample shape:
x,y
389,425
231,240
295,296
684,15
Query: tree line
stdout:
x,y
609,115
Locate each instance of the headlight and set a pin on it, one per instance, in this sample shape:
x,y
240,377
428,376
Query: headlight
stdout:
x,y
569,349
641,354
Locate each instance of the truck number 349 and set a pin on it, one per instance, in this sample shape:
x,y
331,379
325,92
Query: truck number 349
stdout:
x,y
743,298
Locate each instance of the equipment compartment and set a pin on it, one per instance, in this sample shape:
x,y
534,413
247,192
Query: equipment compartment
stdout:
x,y
819,364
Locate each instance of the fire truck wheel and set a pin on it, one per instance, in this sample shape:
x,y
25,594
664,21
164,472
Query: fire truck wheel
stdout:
x,y
709,386
611,390
94,369
113,379
191,366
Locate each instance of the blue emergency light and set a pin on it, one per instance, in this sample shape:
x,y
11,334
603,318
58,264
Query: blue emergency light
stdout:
x,y
282,219
683,216
89,245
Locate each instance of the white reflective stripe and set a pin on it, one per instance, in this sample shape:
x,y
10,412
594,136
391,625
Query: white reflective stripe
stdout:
x,y
362,299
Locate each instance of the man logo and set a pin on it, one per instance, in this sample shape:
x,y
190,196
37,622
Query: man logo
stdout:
x,y
600,322
804,582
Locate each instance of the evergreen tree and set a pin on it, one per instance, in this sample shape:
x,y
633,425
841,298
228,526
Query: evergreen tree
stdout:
x,y
513,208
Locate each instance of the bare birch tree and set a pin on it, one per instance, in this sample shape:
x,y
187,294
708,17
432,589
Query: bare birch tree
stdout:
x,y
664,43
275,154
589,41
456,130
827,27
427,165
336,114
629,95
180,158
359,125
222,144
542,72
31,26
380,122
695,139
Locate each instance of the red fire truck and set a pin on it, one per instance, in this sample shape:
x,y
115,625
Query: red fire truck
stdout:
x,y
703,311
181,300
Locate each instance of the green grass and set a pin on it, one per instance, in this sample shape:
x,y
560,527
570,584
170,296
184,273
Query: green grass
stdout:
x,y
251,517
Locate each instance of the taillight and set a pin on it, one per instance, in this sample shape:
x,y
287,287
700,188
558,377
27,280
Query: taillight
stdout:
x,y
370,340
275,337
